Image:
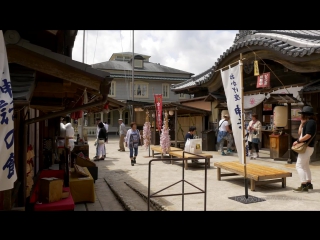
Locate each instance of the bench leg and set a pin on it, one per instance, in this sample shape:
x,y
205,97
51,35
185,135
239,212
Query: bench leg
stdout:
x,y
284,182
253,185
185,164
208,161
219,174
152,153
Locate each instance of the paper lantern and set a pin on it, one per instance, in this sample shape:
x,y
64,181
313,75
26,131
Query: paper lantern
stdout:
x,y
280,116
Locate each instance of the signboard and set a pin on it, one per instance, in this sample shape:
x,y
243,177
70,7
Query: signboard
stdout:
x,y
158,106
8,173
263,80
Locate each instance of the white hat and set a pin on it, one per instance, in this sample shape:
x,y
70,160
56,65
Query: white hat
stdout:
x,y
120,119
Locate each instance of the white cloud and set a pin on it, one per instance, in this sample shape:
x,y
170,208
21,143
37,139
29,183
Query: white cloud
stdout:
x,y
193,50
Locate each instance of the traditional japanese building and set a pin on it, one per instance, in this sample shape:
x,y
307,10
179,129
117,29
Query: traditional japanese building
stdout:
x,y
291,56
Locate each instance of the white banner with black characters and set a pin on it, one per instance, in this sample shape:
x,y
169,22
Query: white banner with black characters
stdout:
x,y
7,168
231,83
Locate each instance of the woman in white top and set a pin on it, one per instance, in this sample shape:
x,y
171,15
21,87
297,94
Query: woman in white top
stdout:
x,y
133,140
254,137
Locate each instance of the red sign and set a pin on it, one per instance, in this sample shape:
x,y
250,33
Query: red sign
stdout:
x,y
158,105
263,80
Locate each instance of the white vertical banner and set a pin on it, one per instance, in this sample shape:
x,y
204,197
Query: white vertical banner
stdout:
x,y
231,80
7,168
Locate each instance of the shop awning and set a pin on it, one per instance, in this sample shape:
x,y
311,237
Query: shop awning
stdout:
x,y
281,99
182,110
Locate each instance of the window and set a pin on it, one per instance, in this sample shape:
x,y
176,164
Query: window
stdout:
x,y
165,90
109,118
112,91
182,96
126,118
138,63
140,89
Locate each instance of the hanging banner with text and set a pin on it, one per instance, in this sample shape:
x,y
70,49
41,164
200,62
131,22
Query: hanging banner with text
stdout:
x,y
231,84
158,105
263,80
7,168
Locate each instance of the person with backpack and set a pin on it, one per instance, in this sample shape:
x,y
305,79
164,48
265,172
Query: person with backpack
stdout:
x,y
225,133
133,141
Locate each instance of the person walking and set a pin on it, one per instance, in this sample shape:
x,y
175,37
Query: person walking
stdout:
x,y
254,137
98,120
122,133
225,134
101,141
307,130
189,135
133,140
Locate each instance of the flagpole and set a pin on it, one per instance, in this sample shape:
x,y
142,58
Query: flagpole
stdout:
x,y
243,130
132,74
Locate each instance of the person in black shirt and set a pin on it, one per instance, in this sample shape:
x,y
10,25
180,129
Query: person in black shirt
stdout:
x,y
307,130
102,137
190,133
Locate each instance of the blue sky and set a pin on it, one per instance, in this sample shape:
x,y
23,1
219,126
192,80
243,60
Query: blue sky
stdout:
x,y
188,50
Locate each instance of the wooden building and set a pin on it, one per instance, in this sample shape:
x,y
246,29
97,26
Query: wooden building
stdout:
x,y
291,56
47,84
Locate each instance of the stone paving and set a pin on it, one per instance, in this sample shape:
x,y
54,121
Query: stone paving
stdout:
x,y
117,171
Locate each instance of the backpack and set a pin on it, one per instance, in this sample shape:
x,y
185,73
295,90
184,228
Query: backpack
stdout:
x,y
217,129
134,139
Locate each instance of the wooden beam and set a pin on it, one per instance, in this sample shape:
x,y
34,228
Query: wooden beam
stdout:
x,y
51,87
54,32
41,63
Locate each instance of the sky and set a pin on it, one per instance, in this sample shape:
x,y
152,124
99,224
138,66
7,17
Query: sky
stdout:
x,y
192,51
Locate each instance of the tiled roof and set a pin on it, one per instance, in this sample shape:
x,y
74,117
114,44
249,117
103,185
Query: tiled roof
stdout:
x,y
294,43
148,77
312,87
147,67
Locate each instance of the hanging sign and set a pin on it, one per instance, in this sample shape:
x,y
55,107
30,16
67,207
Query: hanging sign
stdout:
x,y
256,68
158,105
8,173
263,80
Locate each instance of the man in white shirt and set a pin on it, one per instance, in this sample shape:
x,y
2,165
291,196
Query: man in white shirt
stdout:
x,y
225,133
122,134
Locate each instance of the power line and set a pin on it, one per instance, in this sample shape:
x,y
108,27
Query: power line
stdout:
x,y
95,47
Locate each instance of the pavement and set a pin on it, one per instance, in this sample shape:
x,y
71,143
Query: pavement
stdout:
x,y
122,187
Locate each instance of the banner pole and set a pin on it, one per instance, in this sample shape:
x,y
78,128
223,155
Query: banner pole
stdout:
x,y
243,130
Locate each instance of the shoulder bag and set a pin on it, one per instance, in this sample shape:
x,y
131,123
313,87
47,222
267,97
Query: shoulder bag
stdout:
x,y
217,129
302,147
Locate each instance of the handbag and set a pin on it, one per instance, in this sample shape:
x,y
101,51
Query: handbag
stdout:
x,y
302,147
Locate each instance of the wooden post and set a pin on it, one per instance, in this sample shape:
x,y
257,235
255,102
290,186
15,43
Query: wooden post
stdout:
x,y
243,130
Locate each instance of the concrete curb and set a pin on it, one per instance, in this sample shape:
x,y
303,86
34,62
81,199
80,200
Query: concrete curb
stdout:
x,y
125,205
154,204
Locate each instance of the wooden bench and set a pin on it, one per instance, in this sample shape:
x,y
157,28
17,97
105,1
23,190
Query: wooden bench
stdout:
x,y
179,154
257,174
157,148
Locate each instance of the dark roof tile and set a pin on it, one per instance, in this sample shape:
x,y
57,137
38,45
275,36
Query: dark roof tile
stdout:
x,y
290,42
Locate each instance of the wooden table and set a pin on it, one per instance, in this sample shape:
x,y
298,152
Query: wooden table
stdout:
x,y
257,174
157,148
179,154
178,143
